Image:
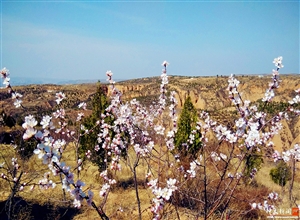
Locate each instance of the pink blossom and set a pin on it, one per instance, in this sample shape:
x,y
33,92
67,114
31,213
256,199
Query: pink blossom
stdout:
x,y
88,154
104,190
59,97
278,62
4,73
46,121
165,63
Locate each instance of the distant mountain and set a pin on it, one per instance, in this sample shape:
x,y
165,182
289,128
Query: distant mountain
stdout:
x,y
79,81
19,81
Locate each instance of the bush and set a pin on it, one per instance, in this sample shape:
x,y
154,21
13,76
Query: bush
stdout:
x,y
281,174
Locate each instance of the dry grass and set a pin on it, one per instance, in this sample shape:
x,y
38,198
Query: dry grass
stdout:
x,y
263,178
121,202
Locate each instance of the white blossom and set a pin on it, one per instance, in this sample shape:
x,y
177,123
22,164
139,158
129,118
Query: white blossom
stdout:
x,y
59,97
278,62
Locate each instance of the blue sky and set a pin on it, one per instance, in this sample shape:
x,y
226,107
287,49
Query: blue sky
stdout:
x,y
84,39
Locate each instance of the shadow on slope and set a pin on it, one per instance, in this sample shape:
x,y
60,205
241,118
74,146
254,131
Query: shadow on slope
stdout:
x,y
28,210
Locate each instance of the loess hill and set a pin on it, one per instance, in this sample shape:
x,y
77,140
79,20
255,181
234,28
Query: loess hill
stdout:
x,y
207,93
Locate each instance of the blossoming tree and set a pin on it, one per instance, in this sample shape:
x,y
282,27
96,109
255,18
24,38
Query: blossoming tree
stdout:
x,y
210,182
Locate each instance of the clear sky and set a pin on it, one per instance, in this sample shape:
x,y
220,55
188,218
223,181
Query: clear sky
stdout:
x,y
84,39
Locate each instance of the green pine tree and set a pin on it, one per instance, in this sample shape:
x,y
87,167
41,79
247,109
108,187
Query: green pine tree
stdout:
x,y
187,123
90,140
253,162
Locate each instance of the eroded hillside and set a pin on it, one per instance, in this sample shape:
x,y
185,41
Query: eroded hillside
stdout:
x,y
207,93
210,93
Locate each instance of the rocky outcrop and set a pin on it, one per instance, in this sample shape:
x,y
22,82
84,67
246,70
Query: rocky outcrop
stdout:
x,y
211,93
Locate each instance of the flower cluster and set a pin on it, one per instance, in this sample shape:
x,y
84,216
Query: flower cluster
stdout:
x,y
291,154
161,195
45,183
5,76
15,95
59,97
29,125
106,186
171,134
294,101
269,95
269,208
163,88
193,165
